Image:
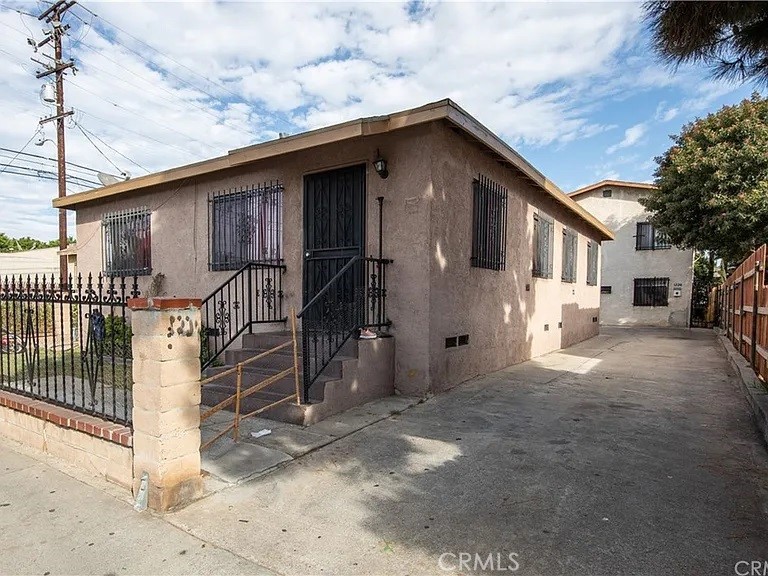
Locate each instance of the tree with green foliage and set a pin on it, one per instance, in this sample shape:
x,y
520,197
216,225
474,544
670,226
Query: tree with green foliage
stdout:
x,y
731,38
8,244
713,182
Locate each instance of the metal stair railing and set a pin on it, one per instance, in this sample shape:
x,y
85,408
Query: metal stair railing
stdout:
x,y
253,295
354,298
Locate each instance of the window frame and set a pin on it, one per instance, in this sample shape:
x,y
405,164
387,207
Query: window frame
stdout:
x,y
244,226
660,283
132,229
570,268
490,202
593,260
543,267
658,240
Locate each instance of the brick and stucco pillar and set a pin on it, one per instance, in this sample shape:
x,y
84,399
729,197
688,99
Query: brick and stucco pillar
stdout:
x,y
166,399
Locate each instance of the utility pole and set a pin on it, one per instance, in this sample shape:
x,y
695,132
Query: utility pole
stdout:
x,y
52,16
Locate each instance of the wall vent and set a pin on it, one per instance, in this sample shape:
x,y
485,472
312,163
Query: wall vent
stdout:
x,y
464,340
451,342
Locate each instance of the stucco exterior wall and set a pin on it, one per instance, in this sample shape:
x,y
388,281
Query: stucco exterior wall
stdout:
x,y
180,231
622,263
504,321
432,291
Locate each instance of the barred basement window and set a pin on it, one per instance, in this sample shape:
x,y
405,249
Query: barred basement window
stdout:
x,y
648,238
593,249
245,226
570,251
543,245
489,225
127,242
651,292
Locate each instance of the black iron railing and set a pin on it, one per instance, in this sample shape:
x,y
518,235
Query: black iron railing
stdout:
x,y
69,343
354,298
253,295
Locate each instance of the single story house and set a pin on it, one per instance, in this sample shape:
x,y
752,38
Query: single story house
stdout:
x,y
491,263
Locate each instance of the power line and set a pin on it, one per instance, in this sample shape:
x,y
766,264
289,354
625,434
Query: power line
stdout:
x,y
12,9
176,98
43,174
4,156
133,113
21,151
192,71
144,136
98,149
111,148
49,158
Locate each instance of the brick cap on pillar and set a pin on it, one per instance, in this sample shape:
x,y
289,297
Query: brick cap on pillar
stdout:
x,y
163,303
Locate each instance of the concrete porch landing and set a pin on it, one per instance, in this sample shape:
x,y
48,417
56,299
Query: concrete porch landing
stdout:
x,y
226,463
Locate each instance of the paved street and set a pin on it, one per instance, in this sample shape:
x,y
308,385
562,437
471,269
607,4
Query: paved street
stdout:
x,y
632,453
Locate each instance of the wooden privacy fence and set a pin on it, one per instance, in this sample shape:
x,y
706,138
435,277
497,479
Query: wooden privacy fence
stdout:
x,y
743,304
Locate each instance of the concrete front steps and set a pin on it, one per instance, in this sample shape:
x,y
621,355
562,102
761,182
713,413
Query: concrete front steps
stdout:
x,y
362,371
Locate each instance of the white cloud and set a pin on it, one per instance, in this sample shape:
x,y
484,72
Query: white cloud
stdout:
x,y
664,113
228,74
632,136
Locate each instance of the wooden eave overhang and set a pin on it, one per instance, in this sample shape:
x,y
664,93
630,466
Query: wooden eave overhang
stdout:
x,y
443,110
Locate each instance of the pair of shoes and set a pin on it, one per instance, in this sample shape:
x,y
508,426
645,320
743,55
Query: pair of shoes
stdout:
x,y
366,334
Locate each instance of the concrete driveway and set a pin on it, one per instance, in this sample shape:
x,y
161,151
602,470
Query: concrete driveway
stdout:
x,y
632,453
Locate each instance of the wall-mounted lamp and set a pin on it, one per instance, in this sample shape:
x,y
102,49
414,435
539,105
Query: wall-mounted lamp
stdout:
x,y
380,165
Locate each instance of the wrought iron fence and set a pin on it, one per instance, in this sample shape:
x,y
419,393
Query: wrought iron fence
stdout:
x,y
253,295
69,343
355,297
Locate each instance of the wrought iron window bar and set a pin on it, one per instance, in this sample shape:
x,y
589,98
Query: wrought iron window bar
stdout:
x,y
489,224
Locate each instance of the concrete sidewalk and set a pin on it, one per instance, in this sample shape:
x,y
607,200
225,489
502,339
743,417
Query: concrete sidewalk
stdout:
x,y
633,453
51,523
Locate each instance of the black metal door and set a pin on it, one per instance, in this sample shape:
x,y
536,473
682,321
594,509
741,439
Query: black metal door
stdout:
x,y
334,224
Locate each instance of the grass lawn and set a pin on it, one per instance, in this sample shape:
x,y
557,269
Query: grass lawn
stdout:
x,y
62,366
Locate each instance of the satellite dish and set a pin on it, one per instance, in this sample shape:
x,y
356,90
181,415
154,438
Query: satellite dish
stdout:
x,y
107,179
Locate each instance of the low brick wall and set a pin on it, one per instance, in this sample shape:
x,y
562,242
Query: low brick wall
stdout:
x,y
97,446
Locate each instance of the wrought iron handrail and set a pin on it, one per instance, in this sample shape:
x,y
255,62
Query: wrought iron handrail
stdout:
x,y
252,295
353,298
325,289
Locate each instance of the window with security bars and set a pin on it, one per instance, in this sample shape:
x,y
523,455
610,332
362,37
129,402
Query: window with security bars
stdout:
x,y
593,250
543,245
489,224
649,238
651,292
245,226
570,251
127,242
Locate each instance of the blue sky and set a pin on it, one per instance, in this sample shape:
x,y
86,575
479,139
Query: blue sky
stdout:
x,y
572,86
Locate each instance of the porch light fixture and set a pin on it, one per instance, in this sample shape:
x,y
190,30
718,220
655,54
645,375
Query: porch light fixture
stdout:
x,y
380,165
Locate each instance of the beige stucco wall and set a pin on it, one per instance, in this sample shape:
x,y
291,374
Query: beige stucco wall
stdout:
x,y
180,230
427,220
622,263
505,322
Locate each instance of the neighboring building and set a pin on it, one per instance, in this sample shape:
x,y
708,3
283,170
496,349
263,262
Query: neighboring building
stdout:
x,y
43,261
645,280
492,263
